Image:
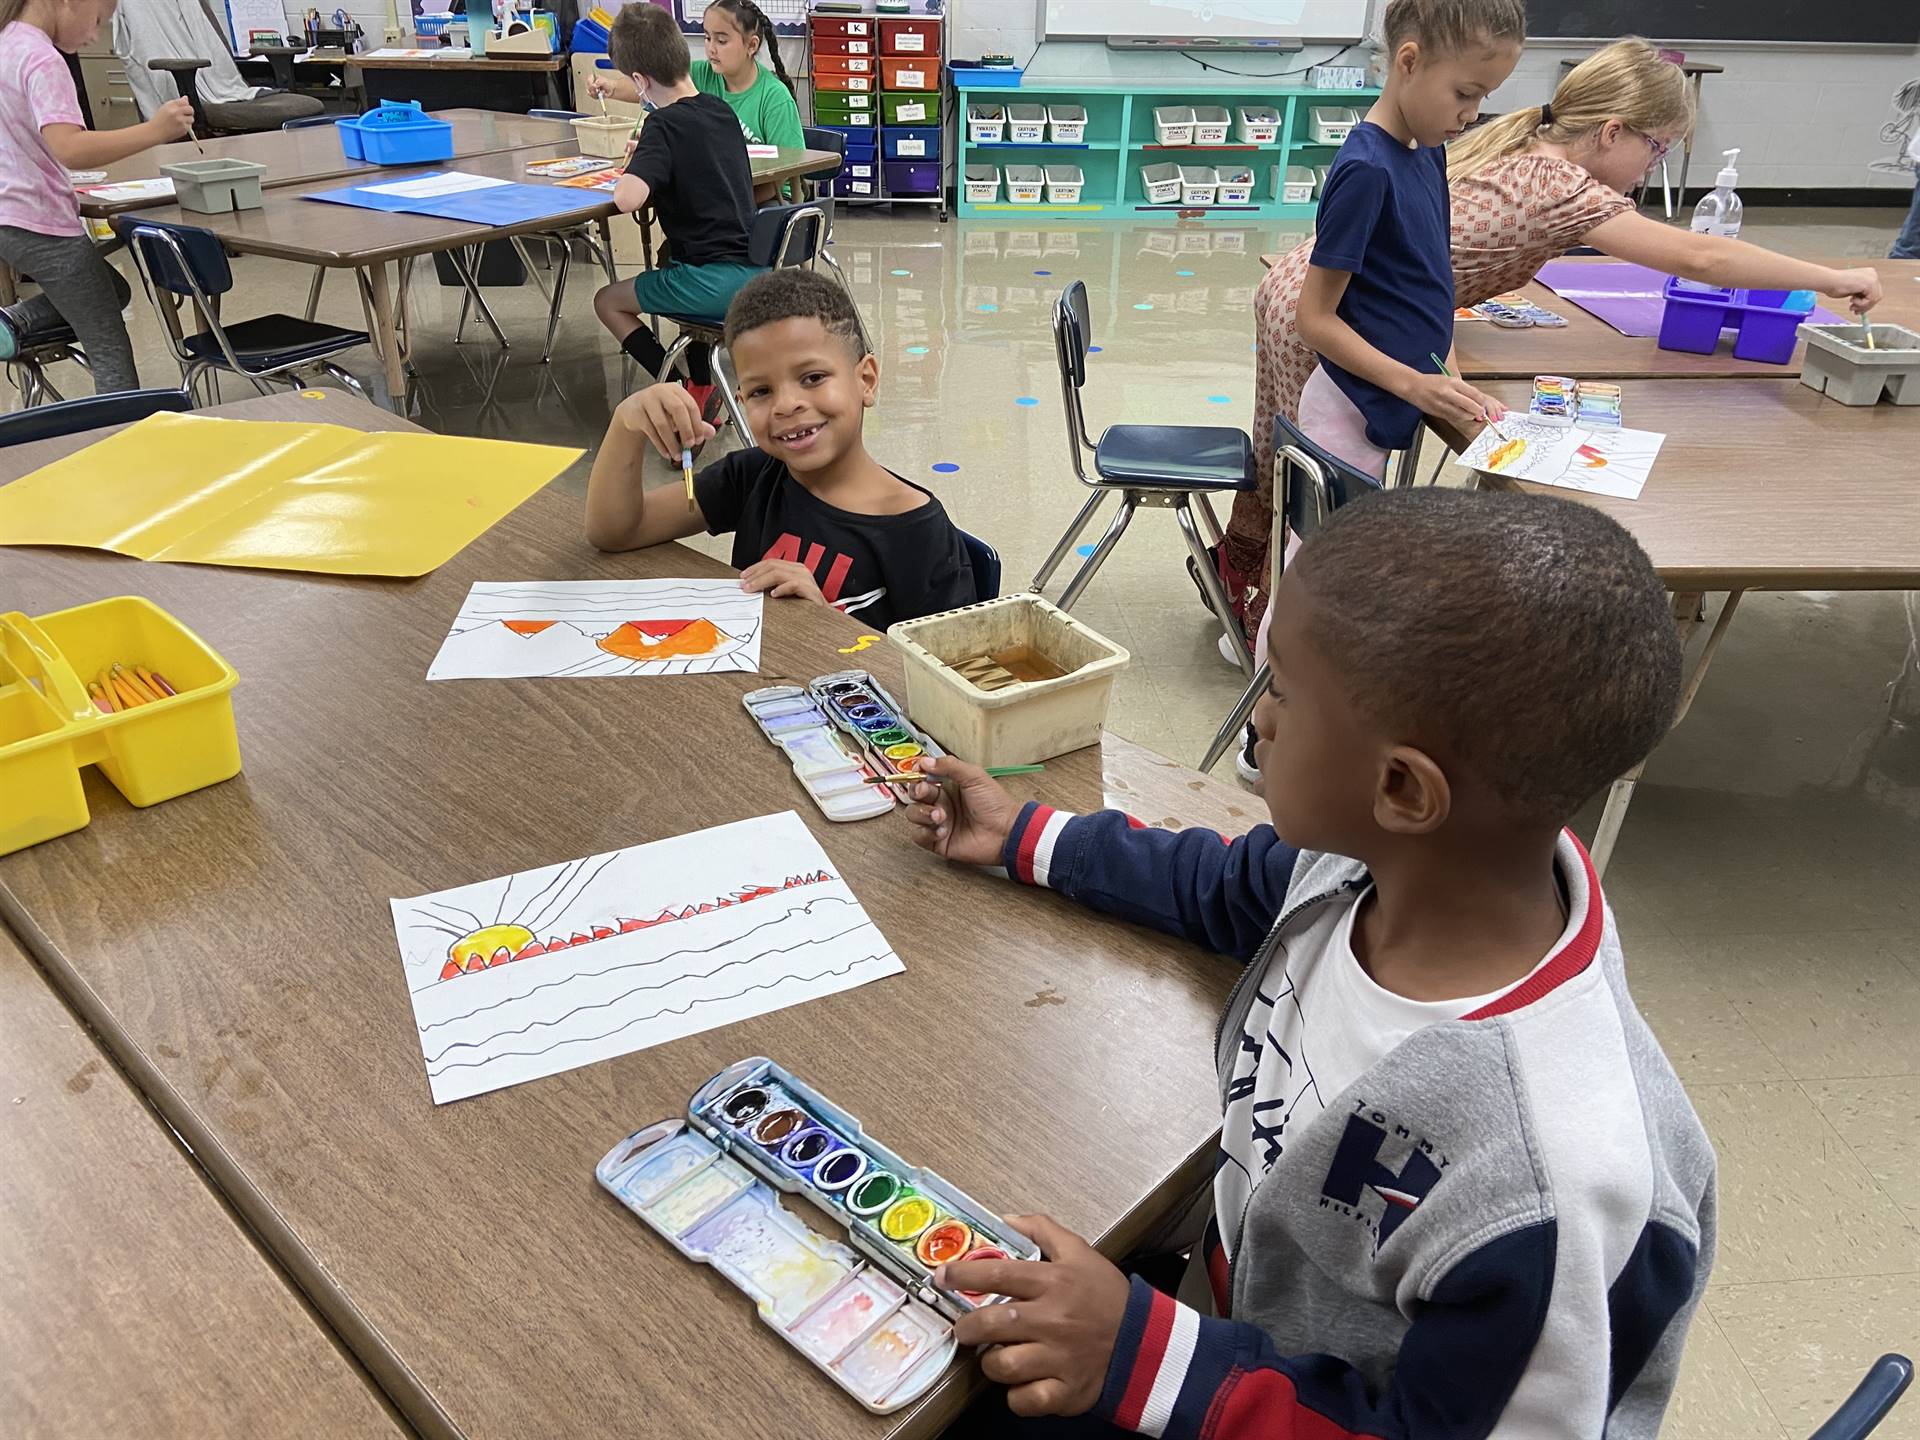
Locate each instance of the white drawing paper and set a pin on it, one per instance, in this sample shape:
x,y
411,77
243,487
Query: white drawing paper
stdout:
x,y
1597,459
537,973
559,629
447,182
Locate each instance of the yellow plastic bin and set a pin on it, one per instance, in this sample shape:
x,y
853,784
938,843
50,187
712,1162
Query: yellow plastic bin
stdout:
x,y
50,728
1022,722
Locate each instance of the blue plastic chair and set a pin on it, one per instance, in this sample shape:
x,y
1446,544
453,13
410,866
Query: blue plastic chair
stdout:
x,y
186,261
1169,467
91,412
1309,484
986,567
1861,1412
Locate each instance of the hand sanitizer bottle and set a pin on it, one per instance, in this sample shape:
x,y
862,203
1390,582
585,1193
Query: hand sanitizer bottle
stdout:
x,y
1718,212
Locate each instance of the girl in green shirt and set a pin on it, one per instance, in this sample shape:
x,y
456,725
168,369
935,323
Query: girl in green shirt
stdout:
x,y
737,32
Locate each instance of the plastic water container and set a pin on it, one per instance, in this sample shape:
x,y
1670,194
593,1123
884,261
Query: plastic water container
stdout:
x,y
1064,183
1331,127
1256,125
1024,184
216,187
1236,185
1028,124
396,133
986,124
50,728
1029,720
1840,366
982,183
1211,124
602,135
1173,124
1199,185
1765,327
1068,123
1161,184
1296,187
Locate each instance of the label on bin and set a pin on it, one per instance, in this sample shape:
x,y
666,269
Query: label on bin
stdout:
x,y
911,147
911,112
912,40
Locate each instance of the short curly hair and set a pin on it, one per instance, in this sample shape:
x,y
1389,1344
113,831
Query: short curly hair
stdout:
x,y
795,295
646,41
1527,637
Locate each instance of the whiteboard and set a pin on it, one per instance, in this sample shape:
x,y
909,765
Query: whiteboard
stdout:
x,y
1216,19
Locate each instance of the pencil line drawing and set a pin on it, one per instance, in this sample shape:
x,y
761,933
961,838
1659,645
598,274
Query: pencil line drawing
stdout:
x,y
1600,460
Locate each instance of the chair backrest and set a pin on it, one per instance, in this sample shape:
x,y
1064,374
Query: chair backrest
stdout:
x,y
1861,1412
816,137
556,114
307,122
1072,334
1309,484
787,237
92,412
986,567
183,259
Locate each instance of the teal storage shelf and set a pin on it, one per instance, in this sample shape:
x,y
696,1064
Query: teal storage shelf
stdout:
x,y
1120,141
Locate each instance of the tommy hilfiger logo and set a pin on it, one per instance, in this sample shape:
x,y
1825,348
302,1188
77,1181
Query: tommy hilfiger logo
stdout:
x,y
1361,1185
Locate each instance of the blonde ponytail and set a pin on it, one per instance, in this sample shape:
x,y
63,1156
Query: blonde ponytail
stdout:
x,y
1628,81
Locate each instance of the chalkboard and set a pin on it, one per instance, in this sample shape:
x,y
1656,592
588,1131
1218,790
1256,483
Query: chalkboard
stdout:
x,y
1859,22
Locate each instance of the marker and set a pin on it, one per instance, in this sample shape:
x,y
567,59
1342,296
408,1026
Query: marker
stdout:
x,y
686,469
1451,376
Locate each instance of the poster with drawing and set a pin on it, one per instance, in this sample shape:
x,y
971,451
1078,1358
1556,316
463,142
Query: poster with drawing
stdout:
x,y
1599,460
537,973
570,628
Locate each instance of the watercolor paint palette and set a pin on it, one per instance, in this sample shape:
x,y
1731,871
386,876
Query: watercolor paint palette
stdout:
x,y
837,733
866,1311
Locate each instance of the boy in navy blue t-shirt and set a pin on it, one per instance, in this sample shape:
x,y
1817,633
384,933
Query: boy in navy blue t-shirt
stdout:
x,y
1377,303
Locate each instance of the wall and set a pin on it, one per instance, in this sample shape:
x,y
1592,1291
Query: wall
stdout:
x,y
1803,118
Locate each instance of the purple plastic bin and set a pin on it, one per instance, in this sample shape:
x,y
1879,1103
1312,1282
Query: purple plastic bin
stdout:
x,y
913,177
1764,330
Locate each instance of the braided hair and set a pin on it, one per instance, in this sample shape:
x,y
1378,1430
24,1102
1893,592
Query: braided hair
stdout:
x,y
754,24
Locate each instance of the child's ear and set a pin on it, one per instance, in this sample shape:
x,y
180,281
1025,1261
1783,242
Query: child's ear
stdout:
x,y
1412,796
868,371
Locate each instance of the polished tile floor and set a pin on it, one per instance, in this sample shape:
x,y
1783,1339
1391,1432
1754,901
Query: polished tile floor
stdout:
x,y
1765,880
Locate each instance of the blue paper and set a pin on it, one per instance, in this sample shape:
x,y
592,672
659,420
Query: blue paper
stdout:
x,y
496,205
359,195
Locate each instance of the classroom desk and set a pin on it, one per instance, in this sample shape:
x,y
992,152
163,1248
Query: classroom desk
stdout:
x,y
311,232
135,1304
234,949
306,157
1758,486
374,70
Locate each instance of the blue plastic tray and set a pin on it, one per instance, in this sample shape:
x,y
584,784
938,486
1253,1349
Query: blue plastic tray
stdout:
x,y
985,77
396,133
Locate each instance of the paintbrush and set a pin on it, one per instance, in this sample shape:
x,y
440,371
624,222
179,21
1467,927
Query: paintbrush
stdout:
x,y
1866,328
1484,415
915,778
686,469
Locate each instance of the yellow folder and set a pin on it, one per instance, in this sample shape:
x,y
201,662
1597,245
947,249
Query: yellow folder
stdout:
x,y
276,495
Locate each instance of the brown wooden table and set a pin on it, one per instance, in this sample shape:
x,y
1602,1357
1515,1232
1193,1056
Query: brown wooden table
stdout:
x,y
135,1304
547,66
235,951
304,157
290,227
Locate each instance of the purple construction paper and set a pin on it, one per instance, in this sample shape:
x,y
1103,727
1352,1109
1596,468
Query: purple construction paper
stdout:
x,y
1630,298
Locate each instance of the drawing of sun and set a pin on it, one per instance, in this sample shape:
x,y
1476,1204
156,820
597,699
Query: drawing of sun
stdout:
x,y
665,639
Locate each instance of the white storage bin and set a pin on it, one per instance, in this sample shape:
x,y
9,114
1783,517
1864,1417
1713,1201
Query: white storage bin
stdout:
x,y
1161,183
1028,124
983,184
1296,188
1320,179
1024,184
1017,723
1173,124
1069,123
1331,127
1211,124
1199,185
1063,184
1236,185
986,124
1257,125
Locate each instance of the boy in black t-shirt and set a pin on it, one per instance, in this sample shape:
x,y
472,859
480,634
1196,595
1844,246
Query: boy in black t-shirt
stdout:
x,y
812,514
690,163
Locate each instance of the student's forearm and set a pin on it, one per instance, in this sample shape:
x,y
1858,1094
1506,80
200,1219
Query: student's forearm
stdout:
x,y
616,492
1339,342
630,192
1729,264
79,149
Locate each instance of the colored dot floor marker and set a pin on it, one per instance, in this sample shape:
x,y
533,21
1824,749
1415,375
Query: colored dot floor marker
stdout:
x,y
1144,305
1095,349
916,349
903,272
1083,551
1043,273
945,467
986,309
1183,274
1219,400
1027,400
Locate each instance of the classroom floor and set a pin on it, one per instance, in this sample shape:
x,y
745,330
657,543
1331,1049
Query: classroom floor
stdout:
x,y
1764,881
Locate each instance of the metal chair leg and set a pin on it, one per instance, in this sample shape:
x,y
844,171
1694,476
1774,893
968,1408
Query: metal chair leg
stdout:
x,y
313,291
1236,721
519,243
1210,526
674,352
841,276
344,378
559,294
606,249
1210,581
469,276
1065,543
1129,502
729,386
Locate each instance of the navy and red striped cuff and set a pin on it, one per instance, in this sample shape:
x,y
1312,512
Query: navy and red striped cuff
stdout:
x,y
1151,1357
1029,851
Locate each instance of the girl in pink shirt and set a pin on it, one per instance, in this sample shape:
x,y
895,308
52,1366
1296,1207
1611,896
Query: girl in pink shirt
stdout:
x,y
43,134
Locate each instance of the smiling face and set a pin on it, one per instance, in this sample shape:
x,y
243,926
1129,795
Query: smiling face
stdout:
x,y
804,391
1438,92
728,49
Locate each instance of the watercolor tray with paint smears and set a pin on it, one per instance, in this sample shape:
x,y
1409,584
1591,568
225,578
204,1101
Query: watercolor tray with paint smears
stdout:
x,y
866,1312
